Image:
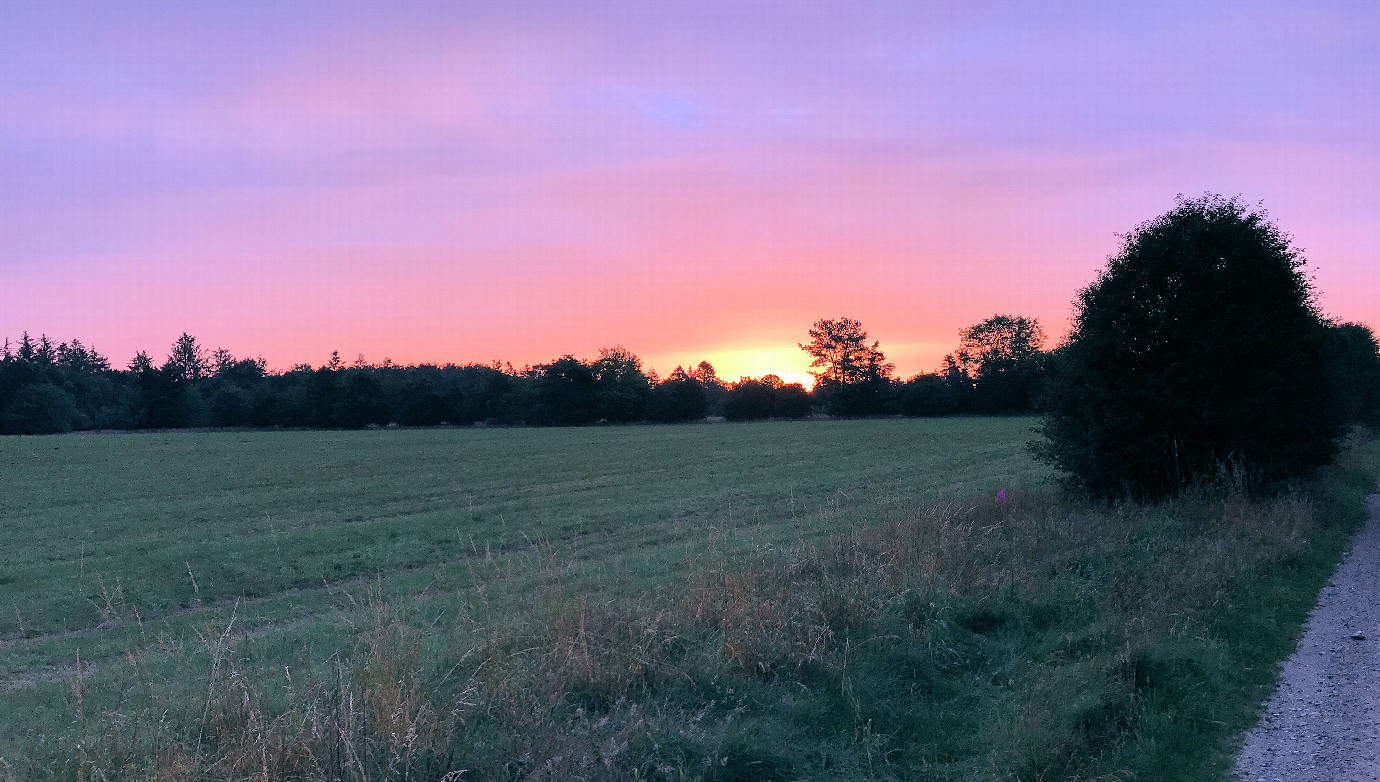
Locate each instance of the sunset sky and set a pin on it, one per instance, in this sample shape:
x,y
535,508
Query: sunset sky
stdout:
x,y
469,181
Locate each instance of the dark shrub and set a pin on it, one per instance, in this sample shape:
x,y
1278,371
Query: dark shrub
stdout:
x,y
1198,347
230,406
677,399
749,400
792,401
565,392
1353,366
933,394
43,408
359,401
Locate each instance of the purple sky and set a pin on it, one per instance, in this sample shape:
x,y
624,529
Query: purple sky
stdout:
x,y
469,181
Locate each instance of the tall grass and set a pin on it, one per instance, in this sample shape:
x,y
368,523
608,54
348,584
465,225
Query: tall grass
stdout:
x,y
1036,638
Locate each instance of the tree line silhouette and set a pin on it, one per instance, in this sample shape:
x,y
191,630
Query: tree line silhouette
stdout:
x,y
998,368
1200,350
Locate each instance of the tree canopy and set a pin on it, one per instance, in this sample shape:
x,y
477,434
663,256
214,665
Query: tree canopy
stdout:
x,y
188,360
840,347
622,387
855,378
1002,357
1199,347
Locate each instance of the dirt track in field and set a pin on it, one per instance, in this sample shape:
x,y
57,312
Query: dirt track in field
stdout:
x,y
1323,723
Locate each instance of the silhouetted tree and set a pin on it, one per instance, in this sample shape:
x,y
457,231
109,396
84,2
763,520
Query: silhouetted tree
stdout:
x,y
856,378
1199,345
188,360
1002,355
26,349
749,400
622,387
840,347
565,393
76,357
792,401
221,359
714,389
703,372
679,397
45,353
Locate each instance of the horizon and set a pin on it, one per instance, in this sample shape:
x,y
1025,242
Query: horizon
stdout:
x,y
348,361
692,181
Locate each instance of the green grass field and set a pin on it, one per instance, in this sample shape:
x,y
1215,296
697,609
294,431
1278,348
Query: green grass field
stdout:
x,y
815,600
255,514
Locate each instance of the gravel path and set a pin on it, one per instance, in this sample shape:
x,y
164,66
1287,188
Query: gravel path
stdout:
x,y
1323,722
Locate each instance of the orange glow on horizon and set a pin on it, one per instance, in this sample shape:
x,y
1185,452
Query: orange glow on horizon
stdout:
x,y
791,364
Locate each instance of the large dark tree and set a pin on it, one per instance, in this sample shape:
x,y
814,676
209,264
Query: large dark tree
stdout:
x,y
839,347
1198,347
855,378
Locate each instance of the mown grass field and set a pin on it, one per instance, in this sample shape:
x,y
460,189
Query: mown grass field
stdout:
x,y
813,600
